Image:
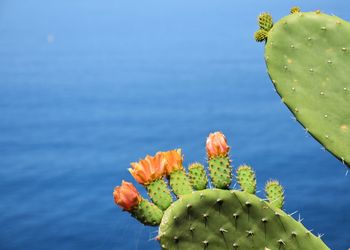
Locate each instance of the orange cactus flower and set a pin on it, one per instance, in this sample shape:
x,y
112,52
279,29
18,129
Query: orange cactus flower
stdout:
x,y
149,169
217,145
174,160
126,196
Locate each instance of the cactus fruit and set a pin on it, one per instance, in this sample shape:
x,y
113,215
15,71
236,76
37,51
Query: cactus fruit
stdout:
x,y
307,56
218,159
246,179
198,177
216,219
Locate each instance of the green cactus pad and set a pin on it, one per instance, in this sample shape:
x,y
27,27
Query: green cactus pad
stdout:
x,y
308,57
180,183
220,172
198,177
265,21
275,193
159,193
246,179
217,219
147,213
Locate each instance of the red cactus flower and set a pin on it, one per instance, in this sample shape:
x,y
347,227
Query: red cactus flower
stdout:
x,y
217,145
173,160
126,196
149,169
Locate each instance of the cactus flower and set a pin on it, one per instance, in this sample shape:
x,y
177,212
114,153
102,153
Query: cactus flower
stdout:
x,y
149,169
217,145
173,160
126,196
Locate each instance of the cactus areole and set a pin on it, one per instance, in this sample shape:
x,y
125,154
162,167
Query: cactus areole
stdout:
x,y
308,56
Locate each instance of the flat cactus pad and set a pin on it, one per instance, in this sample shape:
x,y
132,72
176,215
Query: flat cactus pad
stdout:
x,y
308,58
231,219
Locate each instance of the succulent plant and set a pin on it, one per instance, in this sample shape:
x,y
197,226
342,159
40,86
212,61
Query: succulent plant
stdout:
x,y
307,56
217,218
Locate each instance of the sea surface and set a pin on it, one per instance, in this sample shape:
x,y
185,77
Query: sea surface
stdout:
x,y
86,87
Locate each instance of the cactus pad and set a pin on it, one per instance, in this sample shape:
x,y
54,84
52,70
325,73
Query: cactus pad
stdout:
x,y
220,171
246,179
224,219
159,193
147,213
198,177
180,183
308,56
275,194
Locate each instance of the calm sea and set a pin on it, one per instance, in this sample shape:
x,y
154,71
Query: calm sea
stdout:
x,y
86,87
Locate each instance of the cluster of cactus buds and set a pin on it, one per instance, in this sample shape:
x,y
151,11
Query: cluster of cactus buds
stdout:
x,y
265,25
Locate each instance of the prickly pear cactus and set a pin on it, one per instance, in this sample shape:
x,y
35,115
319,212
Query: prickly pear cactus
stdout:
x,y
308,56
214,219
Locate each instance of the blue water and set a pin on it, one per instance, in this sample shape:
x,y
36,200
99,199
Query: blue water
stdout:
x,y
87,86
